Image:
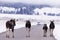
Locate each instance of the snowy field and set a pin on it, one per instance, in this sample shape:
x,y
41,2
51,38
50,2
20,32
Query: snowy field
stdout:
x,y
19,24
34,21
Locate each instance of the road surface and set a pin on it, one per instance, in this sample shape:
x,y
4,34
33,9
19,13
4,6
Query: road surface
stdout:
x,y
20,34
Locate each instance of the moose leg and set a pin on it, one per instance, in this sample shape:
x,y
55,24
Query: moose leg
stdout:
x,y
28,32
7,32
51,32
45,33
13,32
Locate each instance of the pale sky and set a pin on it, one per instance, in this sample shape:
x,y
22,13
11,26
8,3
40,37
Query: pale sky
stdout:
x,y
49,2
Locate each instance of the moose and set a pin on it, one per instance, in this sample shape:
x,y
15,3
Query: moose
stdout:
x,y
45,28
52,27
28,27
10,25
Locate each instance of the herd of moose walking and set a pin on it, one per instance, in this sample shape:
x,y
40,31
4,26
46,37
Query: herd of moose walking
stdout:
x,y
11,23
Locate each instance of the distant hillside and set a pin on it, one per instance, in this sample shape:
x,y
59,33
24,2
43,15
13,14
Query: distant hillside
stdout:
x,y
29,7
16,5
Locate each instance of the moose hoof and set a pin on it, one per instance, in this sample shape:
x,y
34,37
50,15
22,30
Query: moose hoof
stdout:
x,y
44,36
7,36
51,35
13,36
27,36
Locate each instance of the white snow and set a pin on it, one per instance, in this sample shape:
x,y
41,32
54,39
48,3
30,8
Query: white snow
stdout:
x,y
47,10
33,18
57,31
19,24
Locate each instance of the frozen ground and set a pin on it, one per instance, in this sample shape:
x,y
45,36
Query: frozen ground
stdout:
x,y
36,33
57,31
20,24
34,20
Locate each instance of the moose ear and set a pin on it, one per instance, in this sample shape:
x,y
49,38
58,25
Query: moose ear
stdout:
x,y
51,20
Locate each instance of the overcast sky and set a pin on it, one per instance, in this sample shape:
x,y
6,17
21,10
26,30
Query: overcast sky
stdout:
x,y
49,2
